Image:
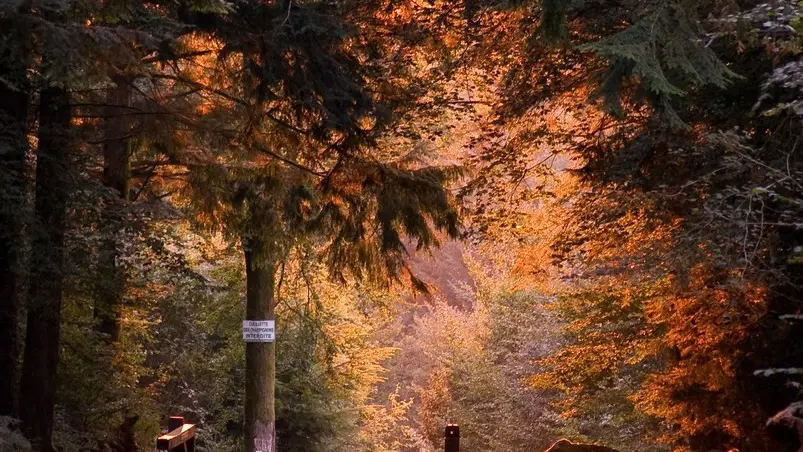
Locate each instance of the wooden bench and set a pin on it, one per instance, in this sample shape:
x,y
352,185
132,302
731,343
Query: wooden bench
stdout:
x,y
180,438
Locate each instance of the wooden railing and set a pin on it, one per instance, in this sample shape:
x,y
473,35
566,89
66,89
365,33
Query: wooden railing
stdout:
x,y
180,436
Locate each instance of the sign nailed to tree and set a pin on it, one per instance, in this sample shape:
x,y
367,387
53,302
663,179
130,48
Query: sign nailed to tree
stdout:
x,y
259,330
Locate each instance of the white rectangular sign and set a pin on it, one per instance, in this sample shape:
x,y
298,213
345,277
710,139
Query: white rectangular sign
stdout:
x,y
259,330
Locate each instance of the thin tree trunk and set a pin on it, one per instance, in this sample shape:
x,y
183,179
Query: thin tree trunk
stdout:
x,y
13,146
116,177
260,358
38,385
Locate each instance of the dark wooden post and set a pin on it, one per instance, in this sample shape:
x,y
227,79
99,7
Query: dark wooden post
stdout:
x,y
180,438
451,437
174,422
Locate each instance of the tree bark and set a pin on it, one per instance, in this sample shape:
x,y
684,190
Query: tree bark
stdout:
x,y
116,177
260,358
13,147
38,385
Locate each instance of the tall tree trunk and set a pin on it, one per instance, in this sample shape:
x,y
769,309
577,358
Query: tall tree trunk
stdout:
x,y
13,146
38,385
260,358
116,177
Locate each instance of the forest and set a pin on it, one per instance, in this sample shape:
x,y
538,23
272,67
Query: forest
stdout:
x,y
536,219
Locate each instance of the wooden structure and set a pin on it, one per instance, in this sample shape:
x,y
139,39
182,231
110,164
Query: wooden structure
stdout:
x,y
180,438
451,438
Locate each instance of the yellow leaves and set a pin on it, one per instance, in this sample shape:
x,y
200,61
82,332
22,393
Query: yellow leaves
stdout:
x,y
434,399
546,380
571,412
385,426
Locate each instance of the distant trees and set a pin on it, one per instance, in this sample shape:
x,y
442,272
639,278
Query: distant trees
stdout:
x,y
471,366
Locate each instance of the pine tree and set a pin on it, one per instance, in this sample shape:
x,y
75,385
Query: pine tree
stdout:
x,y
38,387
301,167
116,178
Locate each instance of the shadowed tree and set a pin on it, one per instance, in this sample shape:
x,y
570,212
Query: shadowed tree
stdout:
x,y
116,178
53,181
13,148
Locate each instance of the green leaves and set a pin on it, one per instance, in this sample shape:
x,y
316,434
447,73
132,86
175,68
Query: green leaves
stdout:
x,y
665,51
